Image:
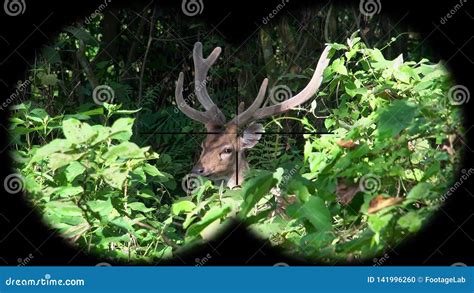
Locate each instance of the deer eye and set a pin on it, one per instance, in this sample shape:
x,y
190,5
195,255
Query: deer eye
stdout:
x,y
227,150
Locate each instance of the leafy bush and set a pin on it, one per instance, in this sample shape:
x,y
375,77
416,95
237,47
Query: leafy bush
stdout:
x,y
91,183
381,174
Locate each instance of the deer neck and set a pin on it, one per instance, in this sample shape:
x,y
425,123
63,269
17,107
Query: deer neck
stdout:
x,y
237,177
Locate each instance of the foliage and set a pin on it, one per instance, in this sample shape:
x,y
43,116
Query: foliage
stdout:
x,y
93,185
388,154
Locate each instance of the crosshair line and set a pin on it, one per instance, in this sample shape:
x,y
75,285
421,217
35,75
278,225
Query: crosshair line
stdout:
x,y
301,132
217,132
178,132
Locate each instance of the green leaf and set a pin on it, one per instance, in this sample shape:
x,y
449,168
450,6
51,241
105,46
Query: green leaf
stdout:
x,y
152,170
401,76
328,122
73,170
102,133
420,191
338,47
63,212
278,174
317,213
58,160
68,191
140,207
404,73
122,129
376,55
81,34
363,240
72,231
254,190
22,106
76,131
378,222
146,193
410,221
185,206
40,113
124,223
212,215
127,112
49,79
189,220
57,145
103,207
139,174
299,186
360,151
318,240
65,208
32,185
352,89
431,171
396,117
116,239
114,176
93,112
125,150
338,66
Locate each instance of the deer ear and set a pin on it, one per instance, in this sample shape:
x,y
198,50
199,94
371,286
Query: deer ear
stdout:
x,y
251,136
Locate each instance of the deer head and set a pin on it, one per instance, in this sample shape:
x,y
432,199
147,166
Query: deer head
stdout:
x,y
223,150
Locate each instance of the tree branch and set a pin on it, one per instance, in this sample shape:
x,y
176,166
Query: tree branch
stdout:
x,y
86,65
145,57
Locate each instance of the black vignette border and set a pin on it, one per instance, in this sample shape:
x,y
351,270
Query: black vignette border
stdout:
x,y
440,243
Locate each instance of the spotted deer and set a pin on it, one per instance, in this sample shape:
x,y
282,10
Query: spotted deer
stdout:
x,y
223,150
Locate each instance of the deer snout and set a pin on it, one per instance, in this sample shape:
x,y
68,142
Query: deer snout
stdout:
x,y
200,170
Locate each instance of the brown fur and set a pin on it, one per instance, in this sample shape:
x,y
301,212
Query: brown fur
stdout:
x,y
216,162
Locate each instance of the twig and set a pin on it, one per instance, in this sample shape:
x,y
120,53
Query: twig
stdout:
x,y
81,56
131,53
326,24
145,57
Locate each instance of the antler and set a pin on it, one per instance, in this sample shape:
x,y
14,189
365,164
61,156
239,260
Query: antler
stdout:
x,y
201,67
254,112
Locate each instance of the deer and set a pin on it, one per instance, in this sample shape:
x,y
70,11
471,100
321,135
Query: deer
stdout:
x,y
222,157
